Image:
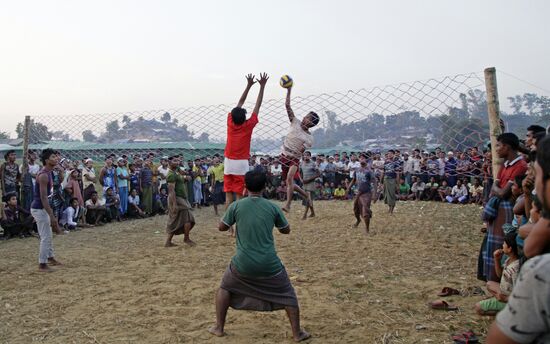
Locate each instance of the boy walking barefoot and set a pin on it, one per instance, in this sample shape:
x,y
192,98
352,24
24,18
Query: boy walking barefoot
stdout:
x,y
296,142
256,278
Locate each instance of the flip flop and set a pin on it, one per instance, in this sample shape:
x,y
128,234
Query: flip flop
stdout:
x,y
447,291
442,305
468,337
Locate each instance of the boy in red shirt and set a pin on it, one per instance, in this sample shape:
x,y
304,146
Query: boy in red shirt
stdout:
x,y
239,135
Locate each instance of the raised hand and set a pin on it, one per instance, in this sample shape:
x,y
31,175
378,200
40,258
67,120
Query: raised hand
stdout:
x,y
263,79
250,80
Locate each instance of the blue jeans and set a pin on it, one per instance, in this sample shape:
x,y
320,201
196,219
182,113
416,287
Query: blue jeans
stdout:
x,y
123,194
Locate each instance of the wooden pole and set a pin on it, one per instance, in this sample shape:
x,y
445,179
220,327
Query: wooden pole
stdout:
x,y
493,110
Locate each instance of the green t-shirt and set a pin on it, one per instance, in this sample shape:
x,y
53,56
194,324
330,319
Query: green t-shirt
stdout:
x,y
255,218
404,189
181,186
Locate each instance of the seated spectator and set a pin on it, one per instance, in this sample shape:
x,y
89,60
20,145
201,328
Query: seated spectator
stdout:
x,y
134,205
430,190
459,193
16,221
340,193
95,210
161,202
501,291
327,192
476,192
417,189
281,191
525,317
112,205
71,217
318,192
403,190
443,191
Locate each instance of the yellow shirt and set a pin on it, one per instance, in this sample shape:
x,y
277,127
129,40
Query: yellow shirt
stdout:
x,y
339,192
217,171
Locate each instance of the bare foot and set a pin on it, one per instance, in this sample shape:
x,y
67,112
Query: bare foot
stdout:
x,y
54,262
216,331
170,244
312,215
356,224
44,268
304,217
189,242
303,335
286,209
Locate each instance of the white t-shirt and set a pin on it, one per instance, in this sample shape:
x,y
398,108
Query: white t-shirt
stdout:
x,y
164,173
276,171
297,140
33,170
416,164
92,204
90,173
352,166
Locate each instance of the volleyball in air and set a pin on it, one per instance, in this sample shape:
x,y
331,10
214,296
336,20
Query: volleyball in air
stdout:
x,y
286,81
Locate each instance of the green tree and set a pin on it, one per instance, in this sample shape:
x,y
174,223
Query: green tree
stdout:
x,y
38,132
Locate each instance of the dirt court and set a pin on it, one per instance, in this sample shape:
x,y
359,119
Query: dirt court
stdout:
x,y
120,285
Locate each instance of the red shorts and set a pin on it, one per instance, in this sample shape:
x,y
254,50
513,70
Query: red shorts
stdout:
x,y
233,183
286,162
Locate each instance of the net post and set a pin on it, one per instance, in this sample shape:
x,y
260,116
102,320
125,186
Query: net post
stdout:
x,y
493,111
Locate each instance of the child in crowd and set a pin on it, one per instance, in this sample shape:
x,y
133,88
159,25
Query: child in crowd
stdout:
x,y
508,274
430,190
443,191
327,192
476,192
72,216
403,190
340,193
281,191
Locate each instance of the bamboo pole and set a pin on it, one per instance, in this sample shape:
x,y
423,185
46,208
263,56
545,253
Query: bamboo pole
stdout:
x,y
493,110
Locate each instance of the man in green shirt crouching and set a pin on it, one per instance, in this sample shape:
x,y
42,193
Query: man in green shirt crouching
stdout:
x,y
256,278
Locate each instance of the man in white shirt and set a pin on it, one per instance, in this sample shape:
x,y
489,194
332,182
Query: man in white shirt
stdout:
x,y
407,167
95,209
163,172
353,165
459,193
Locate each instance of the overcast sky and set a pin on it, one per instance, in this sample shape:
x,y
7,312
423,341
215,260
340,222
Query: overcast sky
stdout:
x,y
78,57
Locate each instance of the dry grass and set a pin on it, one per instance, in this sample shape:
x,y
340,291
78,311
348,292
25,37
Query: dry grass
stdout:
x,y
119,285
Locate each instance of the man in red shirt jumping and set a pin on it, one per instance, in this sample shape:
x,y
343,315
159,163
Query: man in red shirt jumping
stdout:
x,y
239,135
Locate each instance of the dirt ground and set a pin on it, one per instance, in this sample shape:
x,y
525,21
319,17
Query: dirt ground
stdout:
x,y
119,285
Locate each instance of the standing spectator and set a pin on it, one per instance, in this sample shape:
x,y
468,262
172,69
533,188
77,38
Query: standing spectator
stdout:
x,y
432,167
58,197
340,168
408,168
135,181
146,179
9,174
29,180
107,176
487,169
163,170
216,173
463,166
391,174
514,165
353,165
441,167
197,183
123,179
330,171
417,162
72,183
88,179
310,172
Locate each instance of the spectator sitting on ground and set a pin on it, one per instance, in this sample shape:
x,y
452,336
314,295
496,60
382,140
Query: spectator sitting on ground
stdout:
x,y
16,221
403,190
508,274
327,192
112,206
340,193
459,193
417,189
476,192
95,210
430,190
72,216
281,191
444,190
134,205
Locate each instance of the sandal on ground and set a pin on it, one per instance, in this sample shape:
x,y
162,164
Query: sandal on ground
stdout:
x,y
442,305
447,291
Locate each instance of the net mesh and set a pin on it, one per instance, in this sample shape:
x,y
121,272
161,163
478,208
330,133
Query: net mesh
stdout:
x,y
448,112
